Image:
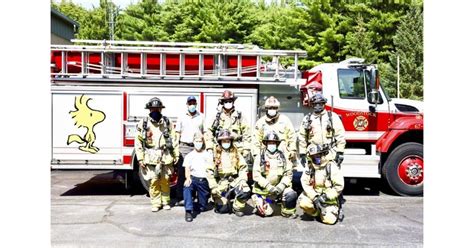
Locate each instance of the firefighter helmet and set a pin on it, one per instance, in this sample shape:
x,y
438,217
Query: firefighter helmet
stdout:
x,y
316,149
155,102
272,102
318,98
227,95
224,135
271,136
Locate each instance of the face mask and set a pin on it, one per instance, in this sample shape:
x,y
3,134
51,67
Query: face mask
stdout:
x,y
271,112
318,108
192,108
272,148
155,115
316,160
198,145
226,145
228,105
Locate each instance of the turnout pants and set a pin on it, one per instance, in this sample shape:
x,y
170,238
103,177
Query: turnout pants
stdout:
x,y
270,203
331,211
159,185
223,187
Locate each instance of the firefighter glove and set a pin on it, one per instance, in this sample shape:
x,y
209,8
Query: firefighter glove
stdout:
x,y
339,158
292,155
279,189
303,159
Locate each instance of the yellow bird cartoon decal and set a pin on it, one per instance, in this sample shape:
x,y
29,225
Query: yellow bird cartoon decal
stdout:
x,y
85,117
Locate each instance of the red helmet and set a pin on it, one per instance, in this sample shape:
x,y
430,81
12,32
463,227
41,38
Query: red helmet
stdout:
x,y
227,95
224,134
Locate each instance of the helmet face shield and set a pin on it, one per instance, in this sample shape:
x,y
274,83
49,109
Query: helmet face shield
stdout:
x,y
318,107
317,152
318,101
154,102
316,158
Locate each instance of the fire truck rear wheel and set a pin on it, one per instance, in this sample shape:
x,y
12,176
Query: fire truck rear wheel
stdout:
x,y
403,169
145,183
138,174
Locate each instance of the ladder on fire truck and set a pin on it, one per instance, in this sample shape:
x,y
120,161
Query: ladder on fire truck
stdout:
x,y
147,61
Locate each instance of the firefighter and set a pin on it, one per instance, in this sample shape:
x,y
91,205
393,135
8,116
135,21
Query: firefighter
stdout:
x,y
322,183
279,123
228,176
186,126
322,127
157,150
229,118
272,175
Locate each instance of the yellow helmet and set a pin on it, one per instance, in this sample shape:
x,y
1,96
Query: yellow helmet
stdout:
x,y
272,102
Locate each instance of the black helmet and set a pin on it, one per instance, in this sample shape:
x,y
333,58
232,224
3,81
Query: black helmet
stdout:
x,y
224,135
271,136
316,149
155,102
318,98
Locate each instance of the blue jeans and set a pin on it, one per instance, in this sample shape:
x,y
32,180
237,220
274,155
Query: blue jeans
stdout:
x,y
202,187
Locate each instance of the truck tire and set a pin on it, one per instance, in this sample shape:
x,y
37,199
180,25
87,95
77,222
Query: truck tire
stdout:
x,y
146,183
403,169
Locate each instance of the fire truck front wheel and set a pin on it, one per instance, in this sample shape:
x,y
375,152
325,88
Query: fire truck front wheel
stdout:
x,y
403,169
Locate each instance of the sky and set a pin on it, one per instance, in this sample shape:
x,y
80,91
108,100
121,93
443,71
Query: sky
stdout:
x,y
89,4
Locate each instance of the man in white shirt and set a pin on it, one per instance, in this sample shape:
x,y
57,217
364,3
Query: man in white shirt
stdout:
x,y
196,164
186,126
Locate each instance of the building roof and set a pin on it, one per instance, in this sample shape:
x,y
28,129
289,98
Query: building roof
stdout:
x,y
64,17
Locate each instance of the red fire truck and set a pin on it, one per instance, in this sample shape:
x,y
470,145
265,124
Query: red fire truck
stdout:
x,y
99,90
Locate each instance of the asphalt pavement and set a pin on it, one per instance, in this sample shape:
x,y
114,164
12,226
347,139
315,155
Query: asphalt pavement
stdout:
x,y
93,209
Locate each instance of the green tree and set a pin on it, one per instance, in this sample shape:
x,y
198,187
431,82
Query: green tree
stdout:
x,y
141,21
224,21
408,42
359,43
94,24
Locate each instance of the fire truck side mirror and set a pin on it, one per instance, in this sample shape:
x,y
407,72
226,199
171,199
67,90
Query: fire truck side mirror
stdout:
x,y
374,83
374,97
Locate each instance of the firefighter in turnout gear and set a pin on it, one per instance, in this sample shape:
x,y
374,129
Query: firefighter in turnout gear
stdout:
x,y
157,151
278,123
322,127
272,175
227,177
229,118
322,183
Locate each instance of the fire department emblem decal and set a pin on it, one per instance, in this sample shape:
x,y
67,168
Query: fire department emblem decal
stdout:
x,y
85,116
360,123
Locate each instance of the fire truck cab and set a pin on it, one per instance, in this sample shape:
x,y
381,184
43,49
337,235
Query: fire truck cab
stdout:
x,y
384,136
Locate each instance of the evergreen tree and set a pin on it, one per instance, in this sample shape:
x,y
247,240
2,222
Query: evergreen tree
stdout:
x,y
408,42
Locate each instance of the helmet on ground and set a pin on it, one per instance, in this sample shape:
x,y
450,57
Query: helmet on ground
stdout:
x,y
224,135
272,102
227,95
154,102
271,136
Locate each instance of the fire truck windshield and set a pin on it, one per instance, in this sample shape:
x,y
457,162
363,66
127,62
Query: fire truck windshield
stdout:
x,y
352,83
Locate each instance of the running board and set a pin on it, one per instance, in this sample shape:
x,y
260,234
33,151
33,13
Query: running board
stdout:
x,y
362,166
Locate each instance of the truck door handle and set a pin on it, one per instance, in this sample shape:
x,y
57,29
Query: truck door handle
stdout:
x,y
372,109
